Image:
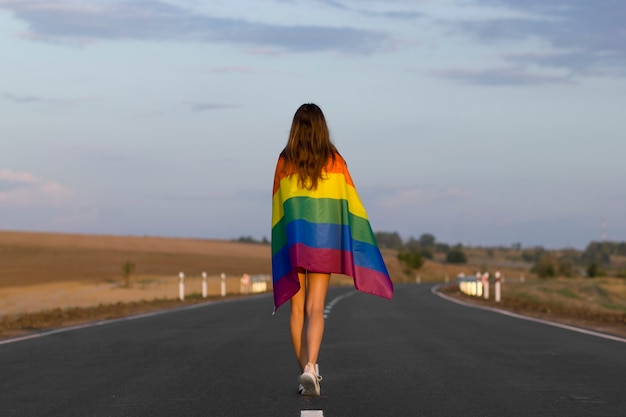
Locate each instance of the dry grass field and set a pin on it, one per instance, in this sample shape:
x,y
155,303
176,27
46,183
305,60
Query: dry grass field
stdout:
x,y
49,280
28,259
598,304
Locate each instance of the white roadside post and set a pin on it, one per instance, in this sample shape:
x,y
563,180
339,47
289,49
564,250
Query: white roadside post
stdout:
x,y
479,285
245,284
486,285
181,286
497,286
223,284
204,286
462,285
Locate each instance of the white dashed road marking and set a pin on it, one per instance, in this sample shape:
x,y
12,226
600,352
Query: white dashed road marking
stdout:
x,y
311,413
331,304
327,310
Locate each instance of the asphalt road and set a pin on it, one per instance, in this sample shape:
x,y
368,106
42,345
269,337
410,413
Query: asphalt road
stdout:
x,y
417,355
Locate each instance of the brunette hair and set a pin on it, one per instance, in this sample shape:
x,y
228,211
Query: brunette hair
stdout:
x,y
309,147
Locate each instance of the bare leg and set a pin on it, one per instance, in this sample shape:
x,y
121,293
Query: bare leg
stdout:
x,y
306,320
297,322
307,327
317,287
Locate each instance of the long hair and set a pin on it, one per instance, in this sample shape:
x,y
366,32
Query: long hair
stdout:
x,y
309,147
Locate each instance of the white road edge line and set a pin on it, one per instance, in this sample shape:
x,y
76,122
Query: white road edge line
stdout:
x,y
434,289
121,319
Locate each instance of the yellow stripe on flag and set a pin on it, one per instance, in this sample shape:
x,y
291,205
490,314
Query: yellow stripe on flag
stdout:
x,y
332,186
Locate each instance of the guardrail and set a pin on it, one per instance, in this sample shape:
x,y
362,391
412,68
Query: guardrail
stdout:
x,y
248,284
478,285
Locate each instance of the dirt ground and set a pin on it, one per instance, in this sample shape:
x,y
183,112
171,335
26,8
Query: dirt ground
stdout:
x,y
48,296
46,271
41,271
40,258
602,324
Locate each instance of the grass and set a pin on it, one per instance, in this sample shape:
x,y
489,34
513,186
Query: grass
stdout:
x,y
17,324
600,304
596,303
568,293
37,258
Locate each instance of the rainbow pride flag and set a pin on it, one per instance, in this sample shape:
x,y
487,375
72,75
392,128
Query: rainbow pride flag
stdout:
x,y
323,230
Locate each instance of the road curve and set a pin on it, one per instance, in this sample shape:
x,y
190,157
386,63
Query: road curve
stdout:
x,y
416,355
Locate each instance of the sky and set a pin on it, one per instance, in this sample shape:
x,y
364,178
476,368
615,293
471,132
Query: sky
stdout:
x,y
482,122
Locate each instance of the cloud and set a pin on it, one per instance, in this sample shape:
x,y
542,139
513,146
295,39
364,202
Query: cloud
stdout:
x,y
29,202
409,14
400,15
25,99
198,107
334,4
502,76
399,198
233,70
23,189
82,22
22,99
584,37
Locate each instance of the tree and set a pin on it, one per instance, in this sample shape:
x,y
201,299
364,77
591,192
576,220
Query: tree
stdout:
x,y
411,260
413,245
528,256
456,256
546,267
247,239
594,270
598,252
427,240
391,240
251,239
442,247
127,269
567,261
534,254
426,253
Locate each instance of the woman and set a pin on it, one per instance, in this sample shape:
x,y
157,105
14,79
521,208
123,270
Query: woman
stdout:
x,y
319,227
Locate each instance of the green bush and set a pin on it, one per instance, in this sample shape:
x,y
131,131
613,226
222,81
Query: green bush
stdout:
x,y
594,270
411,260
456,256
